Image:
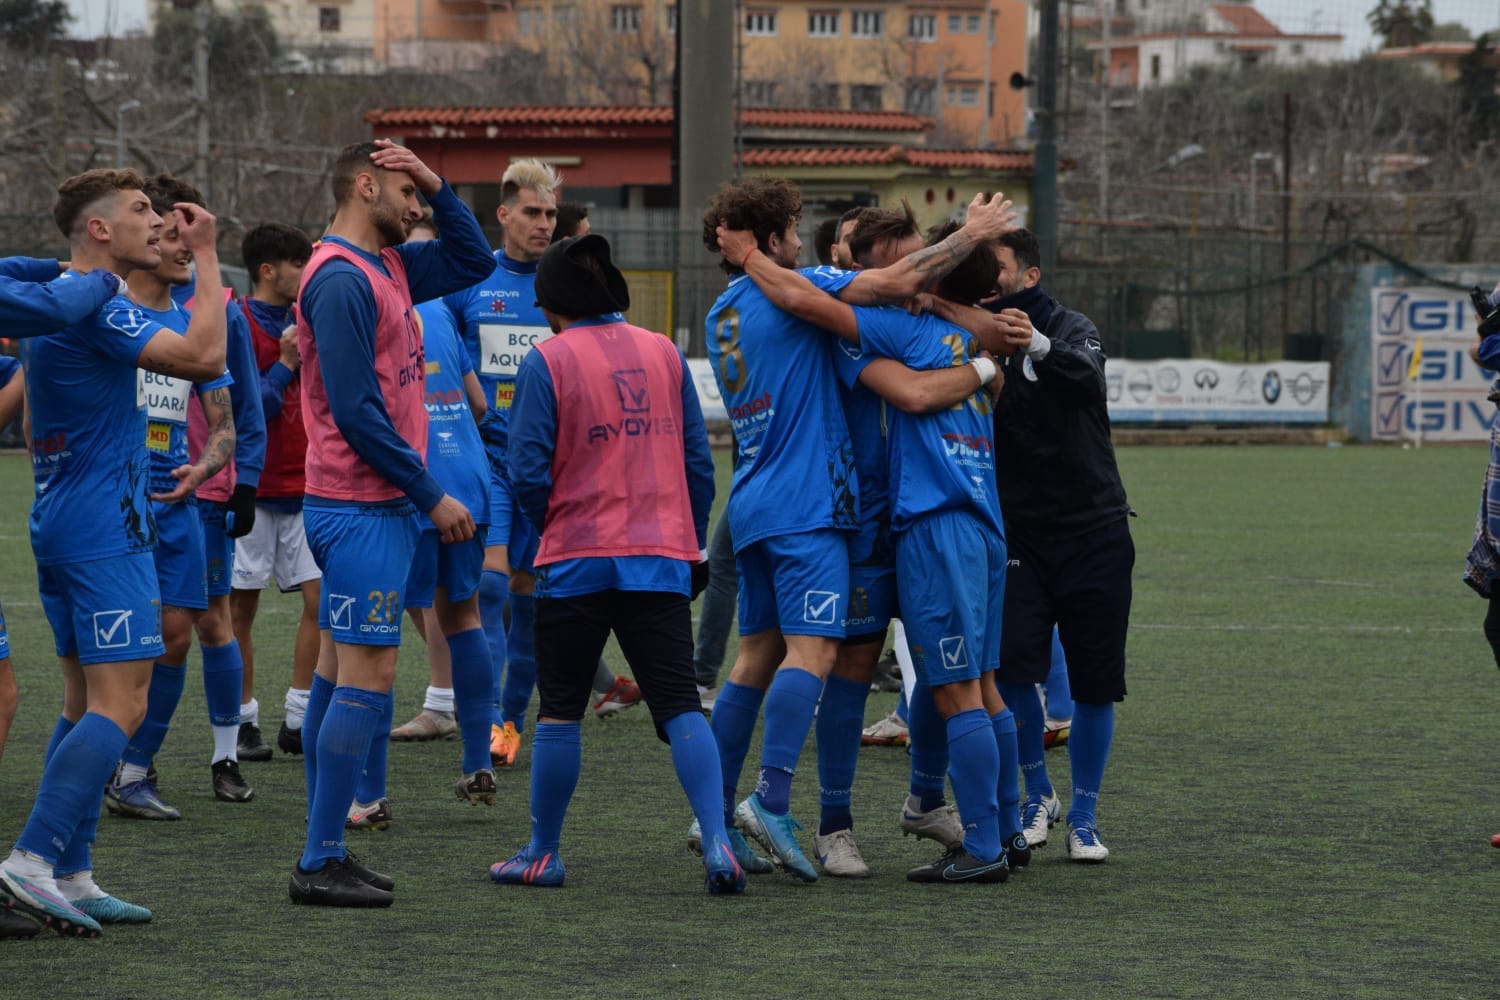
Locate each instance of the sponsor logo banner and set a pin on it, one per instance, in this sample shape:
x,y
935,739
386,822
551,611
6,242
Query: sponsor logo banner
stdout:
x,y
1423,382
1190,391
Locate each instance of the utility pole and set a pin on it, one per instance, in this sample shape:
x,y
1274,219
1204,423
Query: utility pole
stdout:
x,y
201,14
1044,180
1106,18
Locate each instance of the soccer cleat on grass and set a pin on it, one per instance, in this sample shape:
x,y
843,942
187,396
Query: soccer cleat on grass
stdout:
x,y
523,869
426,726
753,863
1038,813
839,855
1055,732
888,732
109,910
139,800
778,835
476,787
229,786
1084,845
622,694
1495,840
724,874
958,865
15,924
369,816
251,747
39,898
505,745
289,740
366,874
335,884
941,824
1017,851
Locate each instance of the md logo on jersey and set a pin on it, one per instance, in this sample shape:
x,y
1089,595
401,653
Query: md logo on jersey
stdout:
x,y
112,629
340,613
631,387
955,652
820,607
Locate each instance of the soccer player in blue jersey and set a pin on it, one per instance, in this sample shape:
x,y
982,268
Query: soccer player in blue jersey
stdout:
x,y
181,559
604,402
98,588
777,380
443,585
940,511
363,378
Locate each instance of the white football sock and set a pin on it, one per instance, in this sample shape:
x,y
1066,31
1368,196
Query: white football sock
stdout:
x,y
226,743
296,706
439,700
129,773
250,713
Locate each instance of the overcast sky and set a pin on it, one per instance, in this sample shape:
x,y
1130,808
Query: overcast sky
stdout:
x,y
1347,17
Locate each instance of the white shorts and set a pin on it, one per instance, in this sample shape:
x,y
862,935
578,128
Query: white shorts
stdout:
x,y
277,543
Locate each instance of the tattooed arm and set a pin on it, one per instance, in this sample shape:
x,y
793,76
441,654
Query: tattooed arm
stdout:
x,y
217,450
893,285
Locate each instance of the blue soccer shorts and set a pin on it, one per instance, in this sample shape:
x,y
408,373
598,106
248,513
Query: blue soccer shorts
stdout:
x,y
455,567
181,563
798,583
502,505
872,583
950,575
365,553
104,610
218,549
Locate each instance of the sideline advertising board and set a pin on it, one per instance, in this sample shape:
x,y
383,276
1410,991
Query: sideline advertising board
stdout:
x,y
1192,391
1440,397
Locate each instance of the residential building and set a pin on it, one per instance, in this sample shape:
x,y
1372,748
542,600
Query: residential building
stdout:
x,y
1439,60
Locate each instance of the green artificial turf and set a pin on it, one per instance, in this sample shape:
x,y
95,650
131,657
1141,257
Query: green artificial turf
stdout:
x,y
1299,801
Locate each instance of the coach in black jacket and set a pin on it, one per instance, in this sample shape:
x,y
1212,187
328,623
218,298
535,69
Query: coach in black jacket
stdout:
x,y
1066,527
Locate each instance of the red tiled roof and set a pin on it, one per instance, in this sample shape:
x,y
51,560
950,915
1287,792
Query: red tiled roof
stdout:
x,y
1245,20
954,159
616,115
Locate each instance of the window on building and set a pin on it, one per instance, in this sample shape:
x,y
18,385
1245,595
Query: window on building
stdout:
x,y
823,24
1156,67
963,97
922,27
1296,48
625,19
760,93
823,95
973,24
866,96
955,23
760,22
328,19
866,23
565,13
528,21
921,97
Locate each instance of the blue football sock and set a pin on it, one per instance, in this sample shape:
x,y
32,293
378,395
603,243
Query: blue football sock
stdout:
x,y
520,673
223,674
71,782
974,768
343,744
161,701
1026,705
695,757
790,704
841,718
494,589
556,757
1008,791
371,785
929,749
1059,693
318,696
59,733
733,723
1088,752
473,696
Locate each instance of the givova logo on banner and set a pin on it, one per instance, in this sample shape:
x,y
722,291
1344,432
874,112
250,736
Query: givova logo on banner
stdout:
x,y
1423,382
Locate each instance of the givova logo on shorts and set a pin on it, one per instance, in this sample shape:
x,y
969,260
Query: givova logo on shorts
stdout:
x,y
820,607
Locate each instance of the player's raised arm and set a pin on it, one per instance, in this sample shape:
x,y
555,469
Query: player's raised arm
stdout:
x,y
895,284
199,353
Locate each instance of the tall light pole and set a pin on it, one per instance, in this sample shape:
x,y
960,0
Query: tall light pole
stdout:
x,y
120,110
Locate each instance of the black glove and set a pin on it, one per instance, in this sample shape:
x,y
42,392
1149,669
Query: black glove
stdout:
x,y
239,511
700,578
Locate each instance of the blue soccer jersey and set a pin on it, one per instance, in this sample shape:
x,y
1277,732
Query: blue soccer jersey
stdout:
x,y
795,470
165,400
455,455
86,432
500,323
938,461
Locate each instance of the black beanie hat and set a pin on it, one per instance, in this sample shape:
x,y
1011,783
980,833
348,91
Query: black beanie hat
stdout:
x,y
566,284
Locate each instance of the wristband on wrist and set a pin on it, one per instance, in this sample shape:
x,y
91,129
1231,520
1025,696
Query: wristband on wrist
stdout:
x,y
748,254
986,369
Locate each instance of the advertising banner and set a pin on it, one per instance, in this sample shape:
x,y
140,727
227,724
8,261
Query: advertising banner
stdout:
x,y
1424,385
1190,391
